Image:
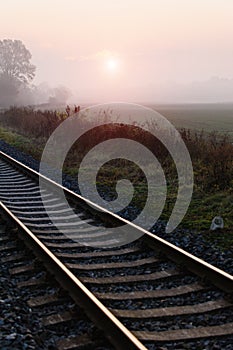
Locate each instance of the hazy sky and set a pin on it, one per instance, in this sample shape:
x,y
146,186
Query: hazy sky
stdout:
x,y
159,50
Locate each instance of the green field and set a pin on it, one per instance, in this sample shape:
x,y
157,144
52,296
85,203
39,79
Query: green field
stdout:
x,y
206,117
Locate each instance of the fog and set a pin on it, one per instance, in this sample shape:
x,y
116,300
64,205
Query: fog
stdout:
x,y
214,90
171,51
41,95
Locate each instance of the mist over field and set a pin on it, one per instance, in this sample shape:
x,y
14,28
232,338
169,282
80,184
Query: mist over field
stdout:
x,y
215,91
132,51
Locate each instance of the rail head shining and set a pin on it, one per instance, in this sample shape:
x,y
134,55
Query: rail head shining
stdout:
x,y
218,277
114,330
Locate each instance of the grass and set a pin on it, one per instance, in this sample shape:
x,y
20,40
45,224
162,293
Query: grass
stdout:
x,y
207,117
30,146
203,207
211,153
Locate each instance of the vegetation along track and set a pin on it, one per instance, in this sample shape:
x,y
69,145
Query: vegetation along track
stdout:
x,y
145,294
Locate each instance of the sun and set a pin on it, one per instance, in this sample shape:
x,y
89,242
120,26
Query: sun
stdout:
x,y
112,64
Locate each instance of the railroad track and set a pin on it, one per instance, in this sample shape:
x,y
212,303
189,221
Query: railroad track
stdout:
x,y
142,295
42,315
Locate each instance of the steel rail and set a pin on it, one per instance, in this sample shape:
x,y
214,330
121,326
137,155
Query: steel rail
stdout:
x,y
113,329
206,271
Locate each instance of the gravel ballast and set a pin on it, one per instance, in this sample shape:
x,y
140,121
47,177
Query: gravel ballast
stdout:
x,y
190,241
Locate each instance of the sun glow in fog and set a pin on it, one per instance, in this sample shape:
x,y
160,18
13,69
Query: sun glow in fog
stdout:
x,y
112,65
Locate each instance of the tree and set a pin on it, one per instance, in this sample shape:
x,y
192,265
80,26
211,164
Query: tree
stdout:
x,y
59,95
15,69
